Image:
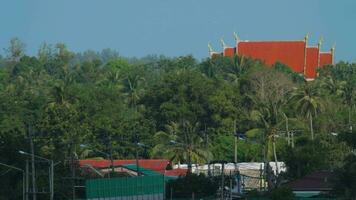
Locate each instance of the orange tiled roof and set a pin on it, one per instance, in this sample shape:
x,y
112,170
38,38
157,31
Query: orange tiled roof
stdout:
x,y
311,62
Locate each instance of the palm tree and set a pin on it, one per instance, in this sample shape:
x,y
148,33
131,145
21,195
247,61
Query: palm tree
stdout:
x,y
308,103
266,117
180,143
346,90
234,71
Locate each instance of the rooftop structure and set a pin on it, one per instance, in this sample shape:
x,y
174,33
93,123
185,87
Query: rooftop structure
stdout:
x,y
157,165
296,54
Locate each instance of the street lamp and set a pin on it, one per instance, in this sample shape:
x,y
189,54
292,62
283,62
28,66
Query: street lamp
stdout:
x,y
51,171
23,177
241,137
138,144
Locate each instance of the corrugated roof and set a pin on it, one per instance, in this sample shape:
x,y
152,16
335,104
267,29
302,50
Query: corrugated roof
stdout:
x,y
159,165
141,170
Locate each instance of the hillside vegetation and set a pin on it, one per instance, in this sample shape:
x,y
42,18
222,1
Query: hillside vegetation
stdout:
x,y
110,103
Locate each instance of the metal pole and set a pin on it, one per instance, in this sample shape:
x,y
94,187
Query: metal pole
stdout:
x,y
230,186
287,130
235,141
27,172
52,180
33,167
23,185
23,177
222,180
111,160
49,180
137,168
50,174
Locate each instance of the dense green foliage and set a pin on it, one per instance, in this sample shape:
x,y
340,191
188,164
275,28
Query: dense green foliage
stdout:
x,y
181,109
198,185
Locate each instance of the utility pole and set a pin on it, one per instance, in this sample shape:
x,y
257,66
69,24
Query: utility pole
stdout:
x,y
34,190
222,180
27,178
235,158
111,159
287,129
23,177
50,172
52,181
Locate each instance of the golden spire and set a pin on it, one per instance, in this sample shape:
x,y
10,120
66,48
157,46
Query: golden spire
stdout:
x,y
223,44
306,37
211,50
332,52
333,47
321,40
236,37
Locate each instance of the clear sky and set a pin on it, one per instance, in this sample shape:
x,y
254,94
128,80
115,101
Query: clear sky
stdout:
x,y
175,28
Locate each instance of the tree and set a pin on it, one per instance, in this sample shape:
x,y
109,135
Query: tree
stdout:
x,y
45,52
268,100
16,49
345,180
184,187
282,193
308,103
180,143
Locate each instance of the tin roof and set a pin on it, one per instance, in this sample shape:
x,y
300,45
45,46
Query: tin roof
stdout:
x,y
155,165
159,165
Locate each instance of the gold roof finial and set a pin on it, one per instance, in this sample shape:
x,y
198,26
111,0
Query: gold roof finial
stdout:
x,y
306,37
236,37
210,48
333,47
223,44
321,40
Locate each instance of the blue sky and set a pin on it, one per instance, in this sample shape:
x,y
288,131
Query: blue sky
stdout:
x,y
175,28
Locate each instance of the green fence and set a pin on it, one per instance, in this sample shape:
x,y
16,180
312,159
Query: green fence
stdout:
x,y
296,198
143,187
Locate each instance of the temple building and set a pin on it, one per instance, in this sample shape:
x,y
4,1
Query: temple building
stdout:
x,y
300,57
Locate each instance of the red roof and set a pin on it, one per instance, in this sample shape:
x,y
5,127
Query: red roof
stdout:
x,y
176,172
291,53
326,58
158,165
316,181
229,51
312,62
